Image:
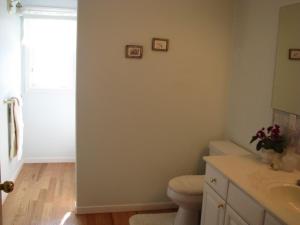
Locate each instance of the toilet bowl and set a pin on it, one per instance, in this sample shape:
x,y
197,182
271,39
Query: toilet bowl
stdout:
x,y
187,191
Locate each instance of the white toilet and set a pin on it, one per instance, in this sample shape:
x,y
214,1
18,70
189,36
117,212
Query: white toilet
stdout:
x,y
186,191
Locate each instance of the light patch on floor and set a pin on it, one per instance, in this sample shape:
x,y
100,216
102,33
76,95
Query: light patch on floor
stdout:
x,y
64,219
153,219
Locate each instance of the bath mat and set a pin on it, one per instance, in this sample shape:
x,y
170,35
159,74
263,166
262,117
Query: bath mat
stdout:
x,y
153,219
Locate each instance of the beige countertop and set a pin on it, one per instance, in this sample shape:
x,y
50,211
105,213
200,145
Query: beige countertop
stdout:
x,y
256,179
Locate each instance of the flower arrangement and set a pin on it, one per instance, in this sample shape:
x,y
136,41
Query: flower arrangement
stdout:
x,y
270,140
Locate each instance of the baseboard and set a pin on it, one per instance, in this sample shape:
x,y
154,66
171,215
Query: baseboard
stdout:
x,y
50,160
13,178
124,208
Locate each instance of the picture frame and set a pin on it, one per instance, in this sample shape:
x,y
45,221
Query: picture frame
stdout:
x,y
294,54
134,51
160,44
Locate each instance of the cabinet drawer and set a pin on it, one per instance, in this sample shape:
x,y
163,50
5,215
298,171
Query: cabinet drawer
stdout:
x,y
216,180
245,206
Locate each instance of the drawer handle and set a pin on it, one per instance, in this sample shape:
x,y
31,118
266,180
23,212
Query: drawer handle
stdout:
x,y
213,180
221,206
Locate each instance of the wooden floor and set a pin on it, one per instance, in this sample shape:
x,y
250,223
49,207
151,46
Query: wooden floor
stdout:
x,y
45,195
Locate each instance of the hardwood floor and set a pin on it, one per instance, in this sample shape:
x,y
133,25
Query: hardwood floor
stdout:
x,y
45,195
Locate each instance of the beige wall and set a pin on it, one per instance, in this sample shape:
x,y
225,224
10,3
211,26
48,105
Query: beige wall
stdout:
x,y
255,38
141,122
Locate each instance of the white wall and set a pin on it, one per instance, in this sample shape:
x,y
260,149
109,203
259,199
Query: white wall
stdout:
x,y
255,39
49,132
10,79
141,122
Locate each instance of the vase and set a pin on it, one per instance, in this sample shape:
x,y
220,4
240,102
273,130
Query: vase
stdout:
x,y
266,156
276,161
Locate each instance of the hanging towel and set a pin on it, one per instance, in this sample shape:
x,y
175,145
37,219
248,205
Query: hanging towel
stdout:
x,y
16,127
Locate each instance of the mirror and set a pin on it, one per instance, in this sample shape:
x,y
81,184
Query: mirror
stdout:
x,y
286,90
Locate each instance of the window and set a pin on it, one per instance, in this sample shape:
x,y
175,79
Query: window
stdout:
x,y
49,53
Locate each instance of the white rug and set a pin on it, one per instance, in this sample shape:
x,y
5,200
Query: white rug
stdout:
x,y
153,219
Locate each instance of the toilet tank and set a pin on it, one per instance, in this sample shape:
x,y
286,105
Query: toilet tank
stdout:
x,y
226,148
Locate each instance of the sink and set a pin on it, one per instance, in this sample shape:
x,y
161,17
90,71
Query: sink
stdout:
x,y
287,194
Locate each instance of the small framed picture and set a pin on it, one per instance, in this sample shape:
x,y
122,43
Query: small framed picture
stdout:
x,y
160,44
294,54
134,51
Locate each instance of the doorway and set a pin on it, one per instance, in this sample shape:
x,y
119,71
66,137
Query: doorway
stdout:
x,y
44,85
49,68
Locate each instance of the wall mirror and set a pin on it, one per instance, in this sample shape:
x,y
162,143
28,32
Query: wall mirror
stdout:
x,y
286,89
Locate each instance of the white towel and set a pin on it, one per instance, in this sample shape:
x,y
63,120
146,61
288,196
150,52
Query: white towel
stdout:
x,y
12,131
16,127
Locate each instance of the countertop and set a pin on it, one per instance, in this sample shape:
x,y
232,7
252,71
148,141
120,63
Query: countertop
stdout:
x,y
256,178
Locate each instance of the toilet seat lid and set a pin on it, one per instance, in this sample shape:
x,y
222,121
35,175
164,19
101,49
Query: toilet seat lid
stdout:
x,y
189,184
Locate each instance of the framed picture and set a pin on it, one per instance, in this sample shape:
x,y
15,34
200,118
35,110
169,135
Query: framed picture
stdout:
x,y
294,54
134,51
160,44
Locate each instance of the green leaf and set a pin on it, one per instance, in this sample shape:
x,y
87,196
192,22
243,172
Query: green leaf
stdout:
x,y
254,138
268,144
259,145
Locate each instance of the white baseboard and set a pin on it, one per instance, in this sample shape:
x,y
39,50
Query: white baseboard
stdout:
x,y
13,178
50,160
124,208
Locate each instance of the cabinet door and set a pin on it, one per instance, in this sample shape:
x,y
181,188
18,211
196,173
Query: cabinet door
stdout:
x,y
232,218
213,208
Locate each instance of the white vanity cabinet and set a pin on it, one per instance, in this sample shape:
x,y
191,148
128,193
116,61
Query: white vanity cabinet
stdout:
x,y
213,208
224,203
270,220
232,218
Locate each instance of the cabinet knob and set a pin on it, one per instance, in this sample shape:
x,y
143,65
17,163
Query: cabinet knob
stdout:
x,y
213,180
221,206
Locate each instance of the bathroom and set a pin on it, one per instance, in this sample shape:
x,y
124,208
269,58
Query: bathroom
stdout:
x,y
141,122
